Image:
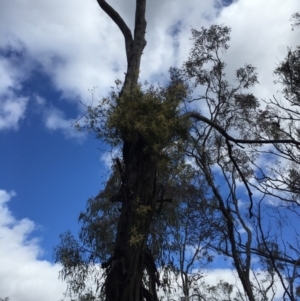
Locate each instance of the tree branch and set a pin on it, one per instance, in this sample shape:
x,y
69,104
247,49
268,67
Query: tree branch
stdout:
x,y
200,117
138,45
120,23
242,177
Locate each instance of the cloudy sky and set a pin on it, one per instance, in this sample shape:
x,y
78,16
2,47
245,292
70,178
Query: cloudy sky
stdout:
x,y
52,55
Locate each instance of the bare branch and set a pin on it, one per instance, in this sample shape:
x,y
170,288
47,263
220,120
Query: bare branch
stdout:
x,y
242,177
200,117
120,23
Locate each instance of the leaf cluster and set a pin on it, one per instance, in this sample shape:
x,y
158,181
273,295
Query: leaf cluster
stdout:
x,y
150,114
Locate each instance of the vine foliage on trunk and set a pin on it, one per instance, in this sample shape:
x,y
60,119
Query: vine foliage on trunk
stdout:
x,y
144,122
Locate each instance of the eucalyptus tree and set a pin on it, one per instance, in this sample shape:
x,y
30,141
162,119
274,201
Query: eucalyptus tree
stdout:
x,y
157,131
254,179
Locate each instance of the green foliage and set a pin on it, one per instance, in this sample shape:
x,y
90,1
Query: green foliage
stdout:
x,y
151,115
288,74
136,238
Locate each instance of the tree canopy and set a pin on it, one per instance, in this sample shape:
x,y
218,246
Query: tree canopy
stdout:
x,y
204,169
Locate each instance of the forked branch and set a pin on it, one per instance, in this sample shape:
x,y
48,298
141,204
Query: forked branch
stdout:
x,y
120,23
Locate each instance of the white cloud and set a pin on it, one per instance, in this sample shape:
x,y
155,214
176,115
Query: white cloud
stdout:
x,y
55,120
69,43
228,275
261,33
212,277
23,277
40,101
5,77
108,156
12,110
80,47
12,105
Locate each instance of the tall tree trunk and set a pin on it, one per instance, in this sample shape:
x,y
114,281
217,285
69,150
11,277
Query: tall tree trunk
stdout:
x,y
124,275
124,279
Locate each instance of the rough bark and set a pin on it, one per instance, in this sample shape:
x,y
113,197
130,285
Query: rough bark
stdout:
x,y
125,272
124,279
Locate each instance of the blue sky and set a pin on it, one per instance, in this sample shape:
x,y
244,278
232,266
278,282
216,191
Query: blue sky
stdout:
x,y
52,175
51,55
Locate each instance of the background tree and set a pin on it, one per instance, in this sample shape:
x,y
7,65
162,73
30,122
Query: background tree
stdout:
x,y
238,166
157,130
